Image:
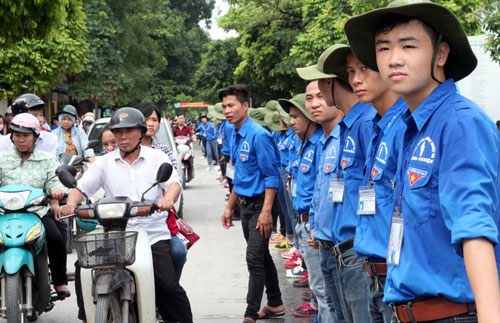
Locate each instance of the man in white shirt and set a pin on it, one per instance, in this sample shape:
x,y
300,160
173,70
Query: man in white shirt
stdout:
x,y
32,104
130,171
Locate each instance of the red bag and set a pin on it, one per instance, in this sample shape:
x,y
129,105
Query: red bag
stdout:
x,y
180,228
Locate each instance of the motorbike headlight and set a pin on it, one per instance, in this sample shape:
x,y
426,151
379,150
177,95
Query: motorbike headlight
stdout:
x,y
111,210
14,200
36,201
34,233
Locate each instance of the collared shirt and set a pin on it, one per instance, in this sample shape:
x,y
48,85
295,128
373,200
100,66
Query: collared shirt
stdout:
x,y
306,172
226,134
185,131
211,131
32,172
118,178
321,212
256,160
355,133
448,177
293,153
283,147
46,142
203,129
372,231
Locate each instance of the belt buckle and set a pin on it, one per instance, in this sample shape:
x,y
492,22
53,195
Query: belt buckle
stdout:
x,y
335,252
242,200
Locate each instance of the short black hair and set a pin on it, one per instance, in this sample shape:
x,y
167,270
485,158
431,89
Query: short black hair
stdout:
x,y
344,84
181,114
240,91
391,21
147,109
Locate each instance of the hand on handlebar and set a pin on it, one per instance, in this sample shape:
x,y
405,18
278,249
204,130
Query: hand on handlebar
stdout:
x,y
165,204
68,209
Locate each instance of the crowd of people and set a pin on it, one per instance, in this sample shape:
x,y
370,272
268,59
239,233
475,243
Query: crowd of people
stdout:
x,y
383,178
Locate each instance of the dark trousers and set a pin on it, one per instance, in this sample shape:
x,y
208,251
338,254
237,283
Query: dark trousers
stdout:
x,y
171,299
56,248
259,262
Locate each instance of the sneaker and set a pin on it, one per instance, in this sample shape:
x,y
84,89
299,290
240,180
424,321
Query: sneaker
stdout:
x,y
277,238
307,296
226,186
303,282
304,310
296,272
283,246
295,261
209,169
290,253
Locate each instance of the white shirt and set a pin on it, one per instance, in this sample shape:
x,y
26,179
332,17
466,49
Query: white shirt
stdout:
x,y
46,142
118,178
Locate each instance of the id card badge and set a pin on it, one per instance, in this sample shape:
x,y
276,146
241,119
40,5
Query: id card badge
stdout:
x,y
395,240
230,171
366,202
336,191
294,187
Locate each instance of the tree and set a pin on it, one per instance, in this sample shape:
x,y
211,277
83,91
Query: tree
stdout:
x,y
39,42
492,25
278,36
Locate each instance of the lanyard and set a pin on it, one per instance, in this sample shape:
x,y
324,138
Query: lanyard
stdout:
x,y
408,143
343,130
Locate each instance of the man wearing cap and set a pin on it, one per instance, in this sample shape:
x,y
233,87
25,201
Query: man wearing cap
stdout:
x,y
443,248
309,133
355,133
256,179
320,213
375,201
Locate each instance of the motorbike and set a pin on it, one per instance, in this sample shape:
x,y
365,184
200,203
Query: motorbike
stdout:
x,y
25,285
185,149
72,229
117,282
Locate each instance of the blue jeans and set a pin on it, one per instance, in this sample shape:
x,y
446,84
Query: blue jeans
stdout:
x,y
332,282
179,253
286,205
212,151
311,257
353,285
289,207
379,311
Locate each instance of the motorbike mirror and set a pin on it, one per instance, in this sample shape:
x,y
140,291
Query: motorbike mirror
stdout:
x,y
164,172
66,178
68,168
93,143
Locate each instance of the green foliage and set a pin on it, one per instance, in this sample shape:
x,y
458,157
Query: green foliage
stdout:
x,y
492,25
39,42
278,36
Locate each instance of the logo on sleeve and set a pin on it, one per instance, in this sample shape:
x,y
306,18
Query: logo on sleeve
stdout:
x,y
244,151
383,153
375,172
331,158
422,159
350,145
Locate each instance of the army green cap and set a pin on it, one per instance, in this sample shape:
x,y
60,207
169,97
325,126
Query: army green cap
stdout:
x,y
333,61
210,112
217,111
298,101
258,115
312,73
274,106
360,31
272,120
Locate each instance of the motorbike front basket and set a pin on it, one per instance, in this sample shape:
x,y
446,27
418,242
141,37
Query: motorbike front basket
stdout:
x,y
115,248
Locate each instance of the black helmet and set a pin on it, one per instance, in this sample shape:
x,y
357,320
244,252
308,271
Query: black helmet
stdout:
x,y
26,101
69,109
128,118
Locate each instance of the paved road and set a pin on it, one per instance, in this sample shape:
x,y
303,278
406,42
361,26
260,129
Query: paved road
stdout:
x,y
215,276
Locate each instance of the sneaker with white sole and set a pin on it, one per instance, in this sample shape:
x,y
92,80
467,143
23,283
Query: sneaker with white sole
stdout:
x,y
289,254
296,272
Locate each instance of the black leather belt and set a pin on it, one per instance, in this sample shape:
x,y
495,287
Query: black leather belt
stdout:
x,y
326,244
342,247
244,200
304,217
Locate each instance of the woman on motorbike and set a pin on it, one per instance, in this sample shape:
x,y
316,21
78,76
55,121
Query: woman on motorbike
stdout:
x,y
153,117
71,139
26,165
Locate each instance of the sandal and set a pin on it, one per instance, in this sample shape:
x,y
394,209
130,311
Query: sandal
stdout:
x,y
268,314
248,320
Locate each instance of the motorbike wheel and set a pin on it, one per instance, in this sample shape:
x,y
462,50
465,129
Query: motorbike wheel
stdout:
x,y
14,301
108,309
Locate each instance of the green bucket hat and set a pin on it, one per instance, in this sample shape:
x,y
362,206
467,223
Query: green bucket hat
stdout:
x,y
274,106
272,120
210,112
312,73
360,31
298,101
217,111
258,115
332,61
